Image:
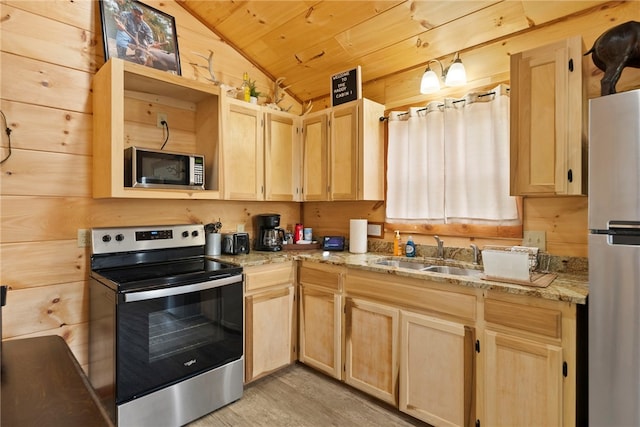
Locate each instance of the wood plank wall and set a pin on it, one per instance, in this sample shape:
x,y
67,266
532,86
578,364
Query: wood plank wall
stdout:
x,y
49,53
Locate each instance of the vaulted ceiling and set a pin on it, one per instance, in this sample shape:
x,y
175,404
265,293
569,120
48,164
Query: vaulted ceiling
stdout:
x,y
306,42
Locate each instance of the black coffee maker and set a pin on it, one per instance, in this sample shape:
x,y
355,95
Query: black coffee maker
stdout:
x,y
270,235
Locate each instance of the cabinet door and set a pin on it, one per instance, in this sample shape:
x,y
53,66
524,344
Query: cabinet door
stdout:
x,y
371,173
343,182
282,158
242,151
522,382
371,347
269,320
547,110
314,167
436,365
320,330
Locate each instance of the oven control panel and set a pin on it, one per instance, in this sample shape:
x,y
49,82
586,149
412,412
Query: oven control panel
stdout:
x,y
126,239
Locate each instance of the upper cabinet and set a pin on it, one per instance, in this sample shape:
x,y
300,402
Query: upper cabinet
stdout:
x,y
344,153
242,151
548,120
260,153
127,100
283,154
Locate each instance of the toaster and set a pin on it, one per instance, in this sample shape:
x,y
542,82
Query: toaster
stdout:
x,y
235,243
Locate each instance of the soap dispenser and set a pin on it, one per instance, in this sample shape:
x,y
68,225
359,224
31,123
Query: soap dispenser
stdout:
x,y
410,248
397,244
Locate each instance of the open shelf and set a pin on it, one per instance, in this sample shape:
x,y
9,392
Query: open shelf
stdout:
x,y
127,100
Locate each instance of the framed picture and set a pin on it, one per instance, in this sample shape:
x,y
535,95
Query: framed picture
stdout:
x,y
139,33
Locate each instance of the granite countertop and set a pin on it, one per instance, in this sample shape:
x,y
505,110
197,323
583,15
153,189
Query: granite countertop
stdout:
x,y
571,286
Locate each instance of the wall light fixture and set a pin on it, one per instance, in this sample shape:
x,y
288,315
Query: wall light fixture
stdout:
x,y
453,75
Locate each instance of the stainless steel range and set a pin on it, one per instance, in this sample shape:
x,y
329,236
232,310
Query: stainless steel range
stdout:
x,y
166,325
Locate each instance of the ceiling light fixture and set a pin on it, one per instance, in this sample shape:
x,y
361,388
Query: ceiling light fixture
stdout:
x,y
453,75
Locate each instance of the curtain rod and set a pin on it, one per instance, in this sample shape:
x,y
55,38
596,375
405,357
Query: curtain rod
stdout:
x,y
386,118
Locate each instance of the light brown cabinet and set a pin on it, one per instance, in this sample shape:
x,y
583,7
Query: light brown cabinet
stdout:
x,y
320,323
315,166
418,339
344,153
548,120
447,355
260,153
270,319
529,363
127,99
464,354
242,151
436,369
371,348
283,156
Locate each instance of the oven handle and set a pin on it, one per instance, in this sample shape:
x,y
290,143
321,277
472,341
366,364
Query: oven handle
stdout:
x,y
178,290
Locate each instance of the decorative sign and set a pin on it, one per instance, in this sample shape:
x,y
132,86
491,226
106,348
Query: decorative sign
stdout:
x,y
346,86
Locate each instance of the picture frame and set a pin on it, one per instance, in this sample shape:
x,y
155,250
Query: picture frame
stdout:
x,y
135,32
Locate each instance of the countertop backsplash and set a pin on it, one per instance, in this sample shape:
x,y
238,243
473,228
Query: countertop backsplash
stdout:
x,y
547,263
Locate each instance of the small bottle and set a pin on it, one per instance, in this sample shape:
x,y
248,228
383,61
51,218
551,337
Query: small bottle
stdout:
x,y
410,248
397,242
246,90
298,233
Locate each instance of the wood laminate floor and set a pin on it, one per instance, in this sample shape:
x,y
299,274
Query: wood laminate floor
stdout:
x,y
297,396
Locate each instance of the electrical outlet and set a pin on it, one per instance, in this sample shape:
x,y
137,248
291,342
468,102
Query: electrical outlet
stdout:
x,y
84,238
161,117
240,228
535,239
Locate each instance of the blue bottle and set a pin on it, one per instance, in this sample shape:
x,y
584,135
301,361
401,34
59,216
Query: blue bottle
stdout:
x,y
410,248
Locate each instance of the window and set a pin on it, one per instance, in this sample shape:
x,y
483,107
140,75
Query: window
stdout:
x,y
448,167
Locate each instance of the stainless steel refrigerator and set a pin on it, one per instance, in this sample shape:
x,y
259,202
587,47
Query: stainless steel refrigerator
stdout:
x,y
614,260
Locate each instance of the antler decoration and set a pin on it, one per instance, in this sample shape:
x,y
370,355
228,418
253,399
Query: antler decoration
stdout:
x,y
210,67
306,108
278,92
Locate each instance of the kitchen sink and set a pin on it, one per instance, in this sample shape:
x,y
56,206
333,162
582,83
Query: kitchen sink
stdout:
x,y
402,264
420,266
456,271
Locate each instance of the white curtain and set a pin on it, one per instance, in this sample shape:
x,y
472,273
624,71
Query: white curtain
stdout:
x,y
449,162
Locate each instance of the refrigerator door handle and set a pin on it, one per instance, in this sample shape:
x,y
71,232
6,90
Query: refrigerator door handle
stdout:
x,y
625,225
624,233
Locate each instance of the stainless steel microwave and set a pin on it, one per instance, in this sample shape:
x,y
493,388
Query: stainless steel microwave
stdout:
x,y
149,168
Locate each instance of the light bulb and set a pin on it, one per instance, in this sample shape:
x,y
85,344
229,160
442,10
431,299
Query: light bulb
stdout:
x,y
430,82
456,75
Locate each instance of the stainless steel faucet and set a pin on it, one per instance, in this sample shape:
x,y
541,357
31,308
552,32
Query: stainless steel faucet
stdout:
x,y
440,247
475,254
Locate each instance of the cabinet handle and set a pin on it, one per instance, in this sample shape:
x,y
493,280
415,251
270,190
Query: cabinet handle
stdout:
x,y
570,175
571,65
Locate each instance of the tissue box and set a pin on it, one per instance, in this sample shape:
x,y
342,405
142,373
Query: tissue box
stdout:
x,y
509,262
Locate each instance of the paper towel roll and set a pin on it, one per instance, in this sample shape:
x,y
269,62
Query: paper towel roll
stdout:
x,y
358,236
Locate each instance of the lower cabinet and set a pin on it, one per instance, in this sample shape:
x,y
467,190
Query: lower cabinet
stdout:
x,y
529,362
436,370
447,356
523,381
269,319
320,320
371,348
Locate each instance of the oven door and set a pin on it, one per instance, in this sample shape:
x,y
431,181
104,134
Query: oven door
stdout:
x,y
170,334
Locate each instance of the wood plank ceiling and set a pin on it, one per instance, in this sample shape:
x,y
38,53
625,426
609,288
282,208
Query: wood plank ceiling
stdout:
x,y
307,41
